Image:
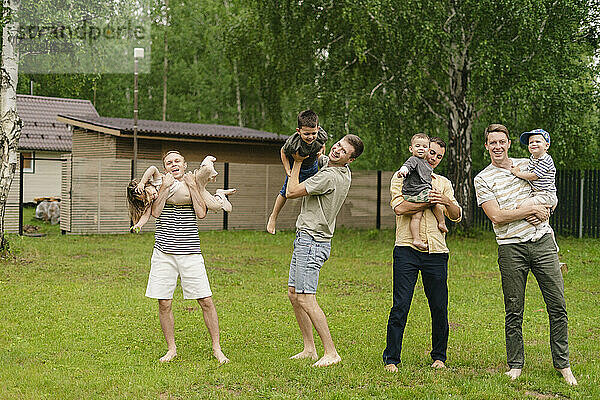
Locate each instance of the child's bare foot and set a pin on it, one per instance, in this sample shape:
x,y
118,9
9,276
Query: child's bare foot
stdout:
x,y
171,354
438,364
222,194
568,375
419,245
391,368
327,360
271,224
305,354
442,227
220,356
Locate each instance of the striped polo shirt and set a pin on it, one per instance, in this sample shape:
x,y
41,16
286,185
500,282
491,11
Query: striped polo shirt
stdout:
x,y
177,230
499,184
545,170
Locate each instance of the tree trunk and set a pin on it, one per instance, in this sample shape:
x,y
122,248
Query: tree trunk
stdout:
x,y
460,125
10,123
238,96
165,63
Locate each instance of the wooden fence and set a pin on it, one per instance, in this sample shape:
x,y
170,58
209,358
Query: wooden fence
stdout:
x,y
578,210
93,193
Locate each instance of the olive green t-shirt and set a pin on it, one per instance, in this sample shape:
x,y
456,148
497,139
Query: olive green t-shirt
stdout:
x,y
327,190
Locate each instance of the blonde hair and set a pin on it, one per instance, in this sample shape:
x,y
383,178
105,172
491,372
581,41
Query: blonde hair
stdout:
x,y
418,136
137,203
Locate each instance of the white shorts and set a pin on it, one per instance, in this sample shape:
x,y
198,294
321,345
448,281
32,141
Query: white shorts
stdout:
x,y
164,269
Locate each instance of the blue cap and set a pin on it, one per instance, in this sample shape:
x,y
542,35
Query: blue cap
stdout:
x,y
525,136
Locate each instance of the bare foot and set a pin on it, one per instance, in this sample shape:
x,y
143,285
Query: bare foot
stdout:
x,y
222,194
391,368
220,356
442,227
171,354
419,245
305,354
568,375
328,360
271,225
438,364
514,373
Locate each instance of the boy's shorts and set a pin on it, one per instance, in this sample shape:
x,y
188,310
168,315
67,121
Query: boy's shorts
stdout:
x,y
164,270
307,259
422,197
545,198
304,174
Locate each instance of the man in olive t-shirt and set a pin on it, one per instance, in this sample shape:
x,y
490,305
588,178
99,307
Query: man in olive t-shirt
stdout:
x,y
322,197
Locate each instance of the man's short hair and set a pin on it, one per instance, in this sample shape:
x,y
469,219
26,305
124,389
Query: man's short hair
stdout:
x,y
495,128
439,141
418,136
356,143
172,152
308,118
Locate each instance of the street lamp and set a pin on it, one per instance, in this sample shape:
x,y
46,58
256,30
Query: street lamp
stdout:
x,y
138,53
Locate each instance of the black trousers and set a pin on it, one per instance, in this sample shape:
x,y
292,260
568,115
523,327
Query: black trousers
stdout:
x,y
434,272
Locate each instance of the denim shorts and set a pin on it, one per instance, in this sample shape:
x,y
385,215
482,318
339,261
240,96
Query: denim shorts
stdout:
x,y
304,174
307,259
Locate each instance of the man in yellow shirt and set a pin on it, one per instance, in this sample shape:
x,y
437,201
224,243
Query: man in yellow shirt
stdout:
x,y
433,263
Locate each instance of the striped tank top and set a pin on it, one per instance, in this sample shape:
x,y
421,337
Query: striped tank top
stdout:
x,y
177,230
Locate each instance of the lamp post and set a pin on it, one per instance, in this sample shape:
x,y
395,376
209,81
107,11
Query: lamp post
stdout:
x,y
138,53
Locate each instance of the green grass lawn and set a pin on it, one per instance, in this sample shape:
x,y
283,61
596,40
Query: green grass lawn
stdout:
x,y
43,227
76,324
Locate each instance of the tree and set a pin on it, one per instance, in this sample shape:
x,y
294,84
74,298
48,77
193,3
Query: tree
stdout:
x,y
10,123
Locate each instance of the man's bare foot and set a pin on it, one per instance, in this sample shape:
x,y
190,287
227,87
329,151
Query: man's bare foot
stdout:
x,y
568,375
438,364
171,354
271,225
220,356
514,373
391,368
442,227
419,245
327,360
305,354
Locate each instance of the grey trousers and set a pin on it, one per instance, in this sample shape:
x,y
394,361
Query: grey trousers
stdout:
x,y
515,261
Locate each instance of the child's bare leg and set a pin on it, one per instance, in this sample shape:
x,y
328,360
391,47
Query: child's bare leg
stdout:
x,y
415,222
279,203
438,211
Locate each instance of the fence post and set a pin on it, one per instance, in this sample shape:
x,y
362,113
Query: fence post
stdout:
x,y
225,186
581,203
378,220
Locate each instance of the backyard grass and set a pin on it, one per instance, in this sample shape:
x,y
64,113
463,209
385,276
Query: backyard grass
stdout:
x,y
76,324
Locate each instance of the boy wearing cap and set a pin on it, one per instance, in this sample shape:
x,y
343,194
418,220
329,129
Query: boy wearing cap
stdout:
x,y
540,173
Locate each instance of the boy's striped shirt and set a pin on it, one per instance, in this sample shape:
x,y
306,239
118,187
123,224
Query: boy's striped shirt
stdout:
x,y
177,230
499,184
545,170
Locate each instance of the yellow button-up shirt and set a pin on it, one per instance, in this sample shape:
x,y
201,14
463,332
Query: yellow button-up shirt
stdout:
x,y
429,232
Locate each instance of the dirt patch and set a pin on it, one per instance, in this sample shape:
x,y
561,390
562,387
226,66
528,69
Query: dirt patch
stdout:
x,y
190,309
541,396
225,270
454,325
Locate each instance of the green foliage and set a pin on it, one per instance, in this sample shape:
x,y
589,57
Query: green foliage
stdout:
x,y
76,323
377,68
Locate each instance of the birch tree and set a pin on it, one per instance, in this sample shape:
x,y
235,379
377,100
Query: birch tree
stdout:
x,y
10,123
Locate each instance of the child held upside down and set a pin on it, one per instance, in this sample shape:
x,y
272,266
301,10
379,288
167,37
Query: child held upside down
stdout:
x,y
417,184
141,195
308,141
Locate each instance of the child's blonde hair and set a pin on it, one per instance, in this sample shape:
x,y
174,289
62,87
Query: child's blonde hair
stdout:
x,y
137,203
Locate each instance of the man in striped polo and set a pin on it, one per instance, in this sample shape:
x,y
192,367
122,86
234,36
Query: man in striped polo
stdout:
x,y
177,253
498,193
